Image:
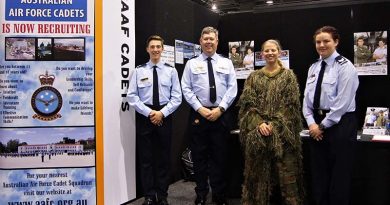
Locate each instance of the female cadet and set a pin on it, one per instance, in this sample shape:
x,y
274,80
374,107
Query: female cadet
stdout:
x,y
328,107
270,123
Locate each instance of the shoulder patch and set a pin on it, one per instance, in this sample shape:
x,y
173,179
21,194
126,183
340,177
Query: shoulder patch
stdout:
x,y
140,66
166,64
341,60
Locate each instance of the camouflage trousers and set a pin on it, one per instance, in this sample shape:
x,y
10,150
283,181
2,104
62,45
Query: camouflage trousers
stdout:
x,y
265,171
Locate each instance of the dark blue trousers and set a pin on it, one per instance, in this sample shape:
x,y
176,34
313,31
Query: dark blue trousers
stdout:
x,y
154,153
331,161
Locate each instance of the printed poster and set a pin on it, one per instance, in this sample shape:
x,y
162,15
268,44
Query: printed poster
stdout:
x,y
370,53
47,102
168,55
179,52
376,121
242,55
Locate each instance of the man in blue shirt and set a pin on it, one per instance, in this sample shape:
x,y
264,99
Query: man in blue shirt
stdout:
x,y
154,92
209,86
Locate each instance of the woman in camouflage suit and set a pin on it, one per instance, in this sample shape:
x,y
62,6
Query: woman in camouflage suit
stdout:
x,y
270,122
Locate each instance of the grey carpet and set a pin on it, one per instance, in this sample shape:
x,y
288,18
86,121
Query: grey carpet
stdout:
x,y
182,193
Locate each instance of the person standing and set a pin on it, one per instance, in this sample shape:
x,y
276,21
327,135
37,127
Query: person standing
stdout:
x,y
154,92
380,53
270,123
362,54
329,109
235,57
209,86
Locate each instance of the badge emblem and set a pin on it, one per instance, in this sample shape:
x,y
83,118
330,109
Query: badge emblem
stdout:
x,y
46,101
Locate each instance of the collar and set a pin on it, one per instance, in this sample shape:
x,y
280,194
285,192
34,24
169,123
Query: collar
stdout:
x,y
214,56
330,60
160,64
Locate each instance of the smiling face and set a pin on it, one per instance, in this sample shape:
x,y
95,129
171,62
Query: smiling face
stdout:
x,y
209,43
325,44
155,49
270,52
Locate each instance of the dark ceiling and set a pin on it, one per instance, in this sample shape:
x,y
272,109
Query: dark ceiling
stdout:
x,y
260,6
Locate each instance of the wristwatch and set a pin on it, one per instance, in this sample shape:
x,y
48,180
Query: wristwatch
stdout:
x,y
321,127
221,109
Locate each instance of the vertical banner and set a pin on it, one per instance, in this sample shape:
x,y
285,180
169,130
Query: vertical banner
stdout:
x,y
47,102
119,118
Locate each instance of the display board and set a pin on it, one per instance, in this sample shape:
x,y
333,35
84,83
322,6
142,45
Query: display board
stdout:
x,y
47,102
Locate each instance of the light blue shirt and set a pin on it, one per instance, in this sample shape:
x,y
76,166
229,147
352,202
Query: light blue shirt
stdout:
x,y
195,82
140,91
338,89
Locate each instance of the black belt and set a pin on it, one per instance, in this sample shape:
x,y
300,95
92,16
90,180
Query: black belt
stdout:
x,y
153,107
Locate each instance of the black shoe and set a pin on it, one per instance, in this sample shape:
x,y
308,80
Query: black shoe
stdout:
x,y
220,200
148,201
163,201
200,200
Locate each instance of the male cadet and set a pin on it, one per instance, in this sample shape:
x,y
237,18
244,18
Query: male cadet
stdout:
x,y
155,93
209,86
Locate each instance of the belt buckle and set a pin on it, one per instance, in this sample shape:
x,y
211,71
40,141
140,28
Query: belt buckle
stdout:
x,y
320,112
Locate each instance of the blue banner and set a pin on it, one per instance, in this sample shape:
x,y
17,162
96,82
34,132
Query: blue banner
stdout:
x,y
46,10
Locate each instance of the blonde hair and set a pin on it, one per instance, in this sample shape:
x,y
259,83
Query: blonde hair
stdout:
x,y
208,30
278,46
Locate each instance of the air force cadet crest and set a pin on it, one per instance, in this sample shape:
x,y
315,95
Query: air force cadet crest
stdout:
x,y
46,101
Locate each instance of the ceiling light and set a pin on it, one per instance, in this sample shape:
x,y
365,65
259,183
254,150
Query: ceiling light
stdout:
x,y
269,2
214,7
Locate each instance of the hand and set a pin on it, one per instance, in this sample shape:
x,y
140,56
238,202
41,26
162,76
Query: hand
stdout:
x,y
205,112
265,129
156,117
215,114
315,132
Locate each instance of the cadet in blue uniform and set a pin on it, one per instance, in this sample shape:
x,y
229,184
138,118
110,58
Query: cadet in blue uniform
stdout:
x,y
154,92
328,107
209,86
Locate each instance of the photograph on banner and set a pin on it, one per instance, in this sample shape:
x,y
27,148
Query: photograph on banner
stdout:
x,y
20,48
179,52
197,49
188,50
370,53
69,49
48,186
47,147
47,92
284,57
376,121
168,55
241,54
44,49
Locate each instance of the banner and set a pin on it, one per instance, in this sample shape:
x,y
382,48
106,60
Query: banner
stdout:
x,y
119,118
47,102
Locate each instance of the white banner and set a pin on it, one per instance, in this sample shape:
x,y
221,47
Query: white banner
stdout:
x,y
119,118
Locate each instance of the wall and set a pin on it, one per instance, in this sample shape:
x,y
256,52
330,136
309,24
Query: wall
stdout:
x,y
295,31
293,28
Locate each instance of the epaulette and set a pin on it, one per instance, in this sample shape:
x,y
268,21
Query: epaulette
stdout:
x,y
169,65
223,56
195,56
140,66
341,60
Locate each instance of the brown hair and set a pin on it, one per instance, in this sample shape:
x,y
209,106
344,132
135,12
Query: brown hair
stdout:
x,y
156,38
328,29
209,29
